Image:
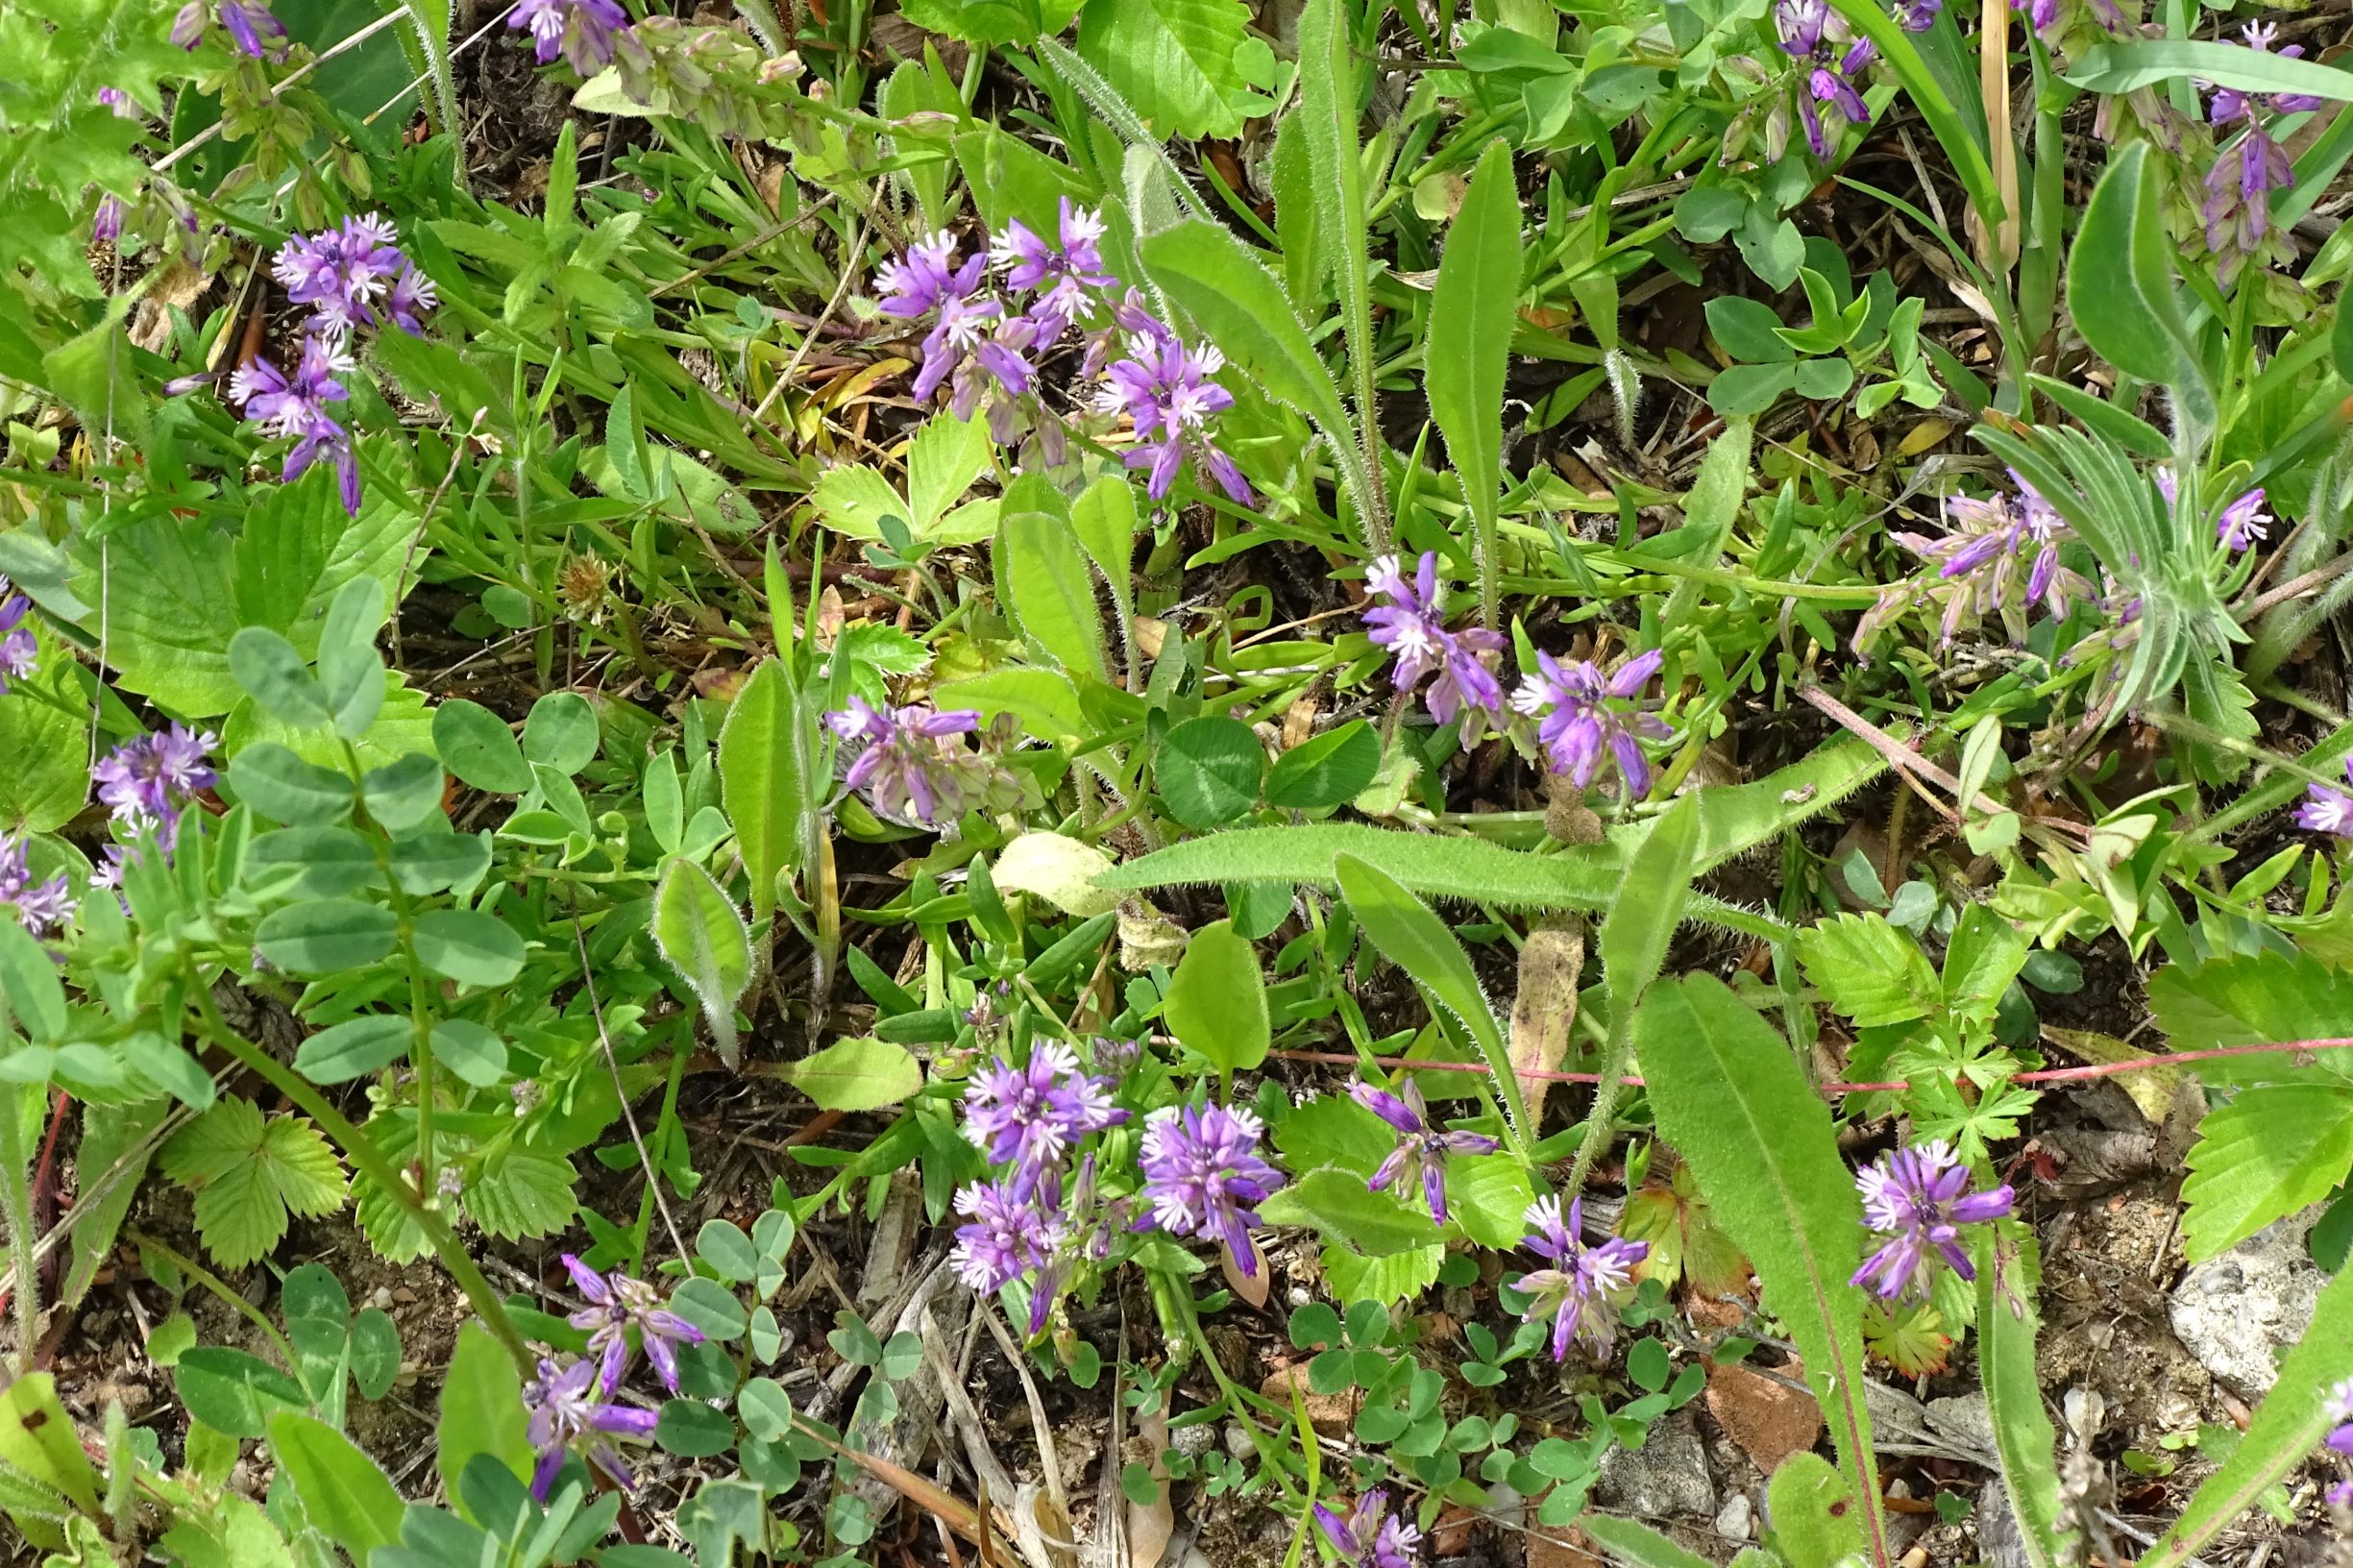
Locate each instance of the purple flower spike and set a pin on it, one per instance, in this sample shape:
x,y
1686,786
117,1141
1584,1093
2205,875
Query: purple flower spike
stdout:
x,y
1370,1536
1580,714
2001,555
19,653
1064,277
1586,1283
912,285
1421,1148
616,1304
120,101
2327,811
296,405
1010,1235
1411,626
1164,387
1203,1176
251,27
342,273
568,1409
1809,34
106,223
2243,522
1031,1116
966,318
1918,1197
1920,15
146,781
911,766
581,31
43,906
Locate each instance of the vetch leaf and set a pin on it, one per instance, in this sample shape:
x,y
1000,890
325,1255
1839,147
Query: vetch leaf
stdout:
x,y
266,665
1731,1099
355,1049
478,747
403,793
701,935
320,936
561,731
468,947
286,789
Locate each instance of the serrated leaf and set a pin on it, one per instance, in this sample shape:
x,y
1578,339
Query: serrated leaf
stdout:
x,y
2269,1153
1396,1277
1908,1335
521,1194
1869,970
2253,1000
1173,61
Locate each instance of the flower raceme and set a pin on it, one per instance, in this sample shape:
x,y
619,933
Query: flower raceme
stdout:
x,y
1032,1117
913,763
581,31
1421,1148
41,905
1585,1284
1809,34
1582,716
1369,1537
1918,1198
19,653
570,1408
1411,625
618,1304
1203,1176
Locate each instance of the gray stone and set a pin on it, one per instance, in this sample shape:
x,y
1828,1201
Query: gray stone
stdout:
x,y
1238,1441
1666,1475
2000,1540
1965,1422
1733,1519
2233,1311
1195,1441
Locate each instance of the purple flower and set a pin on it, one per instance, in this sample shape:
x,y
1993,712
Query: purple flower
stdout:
x,y
1203,1176
1421,1148
1031,1116
1165,389
913,766
1009,1235
2243,522
148,778
581,30
42,907
966,318
616,1304
1806,35
913,284
106,223
1800,24
251,26
1920,15
1370,1536
1578,712
568,1409
1412,626
1996,547
1586,1283
2043,15
2327,811
296,405
2230,104
19,653
342,273
1916,1197
2238,210
1063,276
119,100
2340,1408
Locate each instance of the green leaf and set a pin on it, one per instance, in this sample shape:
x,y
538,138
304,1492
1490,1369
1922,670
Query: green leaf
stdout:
x,y
1043,700
1633,945
1330,107
1218,1000
561,731
1420,943
47,745
376,1353
1869,970
351,671
692,1429
1473,311
1174,60
1059,869
477,744
470,1050
37,1441
1488,1195
343,1492
1209,771
519,1194
2256,999
1354,1277
233,1392
2120,282
702,936
403,793
29,982
1734,1103
1046,582
355,1048
2288,1427
1326,770
286,789
266,665
1815,1522
2269,1153
2022,1434
767,762
1342,1209
311,862
320,936
469,947
481,1412
247,1173
1631,1541
1104,519
856,1074
2121,67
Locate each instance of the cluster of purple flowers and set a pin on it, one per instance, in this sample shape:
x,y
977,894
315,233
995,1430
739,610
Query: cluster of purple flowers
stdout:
x,y
1918,1198
43,906
2238,526
2238,208
1023,1223
1999,556
1584,1285
1421,1148
982,337
1811,35
19,654
571,1403
1582,714
913,762
581,31
1203,1176
2326,810
352,275
147,782
1370,1536
250,24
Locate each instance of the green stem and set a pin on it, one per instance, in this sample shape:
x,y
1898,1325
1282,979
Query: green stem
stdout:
x,y
16,1176
218,1287
420,994
360,1149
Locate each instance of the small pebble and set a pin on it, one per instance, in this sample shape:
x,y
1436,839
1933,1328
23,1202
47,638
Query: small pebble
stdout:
x,y
1733,1518
1238,1441
1195,1441
382,1299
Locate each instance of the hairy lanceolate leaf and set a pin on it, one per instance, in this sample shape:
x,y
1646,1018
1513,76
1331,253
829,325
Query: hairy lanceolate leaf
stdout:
x,y
2007,1281
1417,942
1633,943
703,938
246,1172
2120,282
1732,1101
2287,1426
1472,313
767,763
1330,84
1045,579
343,1492
1869,970
1630,1541
2269,1153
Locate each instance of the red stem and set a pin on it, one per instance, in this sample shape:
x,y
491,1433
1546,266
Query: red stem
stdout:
x,y
2046,1075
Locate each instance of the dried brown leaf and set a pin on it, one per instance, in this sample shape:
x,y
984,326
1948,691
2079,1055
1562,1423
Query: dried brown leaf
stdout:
x,y
1544,1010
